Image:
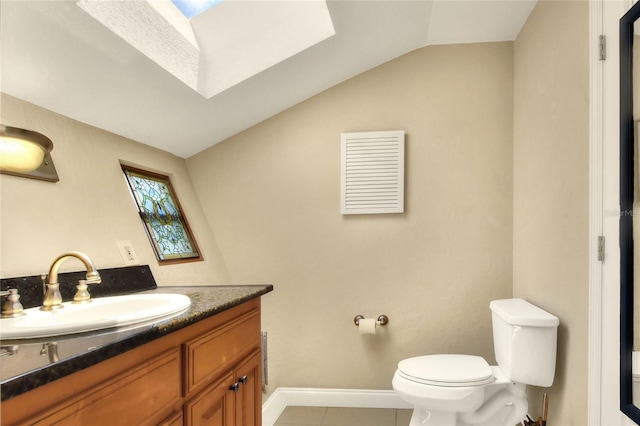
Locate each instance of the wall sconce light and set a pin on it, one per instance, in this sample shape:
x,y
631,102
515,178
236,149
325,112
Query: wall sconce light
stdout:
x,y
26,153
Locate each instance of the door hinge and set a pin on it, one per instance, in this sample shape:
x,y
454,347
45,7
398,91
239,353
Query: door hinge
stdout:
x,y
602,47
601,248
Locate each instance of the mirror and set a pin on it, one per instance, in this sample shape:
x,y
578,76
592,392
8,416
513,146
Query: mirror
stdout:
x,y
629,175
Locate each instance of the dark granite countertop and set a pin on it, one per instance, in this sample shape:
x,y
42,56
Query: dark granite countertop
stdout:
x,y
27,364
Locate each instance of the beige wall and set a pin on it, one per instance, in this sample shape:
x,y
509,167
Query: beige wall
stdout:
x,y
90,208
271,195
551,190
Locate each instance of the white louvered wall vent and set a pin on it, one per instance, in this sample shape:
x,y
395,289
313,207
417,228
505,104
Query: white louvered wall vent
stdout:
x,y
372,177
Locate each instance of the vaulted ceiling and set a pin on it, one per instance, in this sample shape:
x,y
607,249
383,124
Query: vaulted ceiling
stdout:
x,y
249,62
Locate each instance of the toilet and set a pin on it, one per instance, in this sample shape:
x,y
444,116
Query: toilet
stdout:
x,y
452,389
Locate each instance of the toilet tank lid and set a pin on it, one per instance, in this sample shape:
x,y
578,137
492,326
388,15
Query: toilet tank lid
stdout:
x,y
521,312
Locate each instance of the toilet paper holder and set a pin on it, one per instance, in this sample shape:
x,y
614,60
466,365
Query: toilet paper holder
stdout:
x,y
382,320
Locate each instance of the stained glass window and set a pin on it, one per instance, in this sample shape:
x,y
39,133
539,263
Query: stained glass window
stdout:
x,y
162,216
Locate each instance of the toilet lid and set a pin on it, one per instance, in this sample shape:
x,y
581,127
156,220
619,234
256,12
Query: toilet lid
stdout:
x,y
447,370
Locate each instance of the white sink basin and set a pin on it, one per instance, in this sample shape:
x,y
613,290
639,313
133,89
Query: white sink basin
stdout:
x,y
99,314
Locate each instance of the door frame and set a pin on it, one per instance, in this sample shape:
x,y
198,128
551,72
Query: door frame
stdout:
x,y
604,276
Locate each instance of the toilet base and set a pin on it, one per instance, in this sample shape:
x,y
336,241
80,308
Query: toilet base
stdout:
x,y
425,417
505,404
504,417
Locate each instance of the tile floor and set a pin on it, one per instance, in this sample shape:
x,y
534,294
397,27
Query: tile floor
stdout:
x,y
334,416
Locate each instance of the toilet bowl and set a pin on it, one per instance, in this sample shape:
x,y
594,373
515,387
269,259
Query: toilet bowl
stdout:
x,y
452,389
437,401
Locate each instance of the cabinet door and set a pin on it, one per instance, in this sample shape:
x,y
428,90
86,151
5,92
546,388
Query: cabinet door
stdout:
x,y
249,396
174,420
214,406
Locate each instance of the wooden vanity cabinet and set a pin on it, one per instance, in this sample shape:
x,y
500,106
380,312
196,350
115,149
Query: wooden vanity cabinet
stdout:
x,y
249,397
216,406
206,374
174,420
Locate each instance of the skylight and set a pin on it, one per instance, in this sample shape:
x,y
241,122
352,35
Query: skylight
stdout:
x,y
191,8
218,47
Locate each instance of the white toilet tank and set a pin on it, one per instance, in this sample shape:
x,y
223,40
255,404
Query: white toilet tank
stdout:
x,y
524,341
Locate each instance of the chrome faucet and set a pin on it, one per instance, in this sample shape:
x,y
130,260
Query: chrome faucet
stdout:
x,y
52,296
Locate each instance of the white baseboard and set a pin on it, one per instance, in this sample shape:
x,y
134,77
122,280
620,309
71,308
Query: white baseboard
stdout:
x,y
310,397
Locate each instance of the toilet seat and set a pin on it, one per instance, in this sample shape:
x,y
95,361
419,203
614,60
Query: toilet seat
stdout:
x,y
447,370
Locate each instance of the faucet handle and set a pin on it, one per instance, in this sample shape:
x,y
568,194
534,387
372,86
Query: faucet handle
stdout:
x,y
12,307
82,295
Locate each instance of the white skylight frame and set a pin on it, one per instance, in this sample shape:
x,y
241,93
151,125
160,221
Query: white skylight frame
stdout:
x,y
142,23
223,45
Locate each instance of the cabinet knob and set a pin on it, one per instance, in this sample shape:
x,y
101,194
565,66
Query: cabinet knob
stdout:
x,y
244,379
235,387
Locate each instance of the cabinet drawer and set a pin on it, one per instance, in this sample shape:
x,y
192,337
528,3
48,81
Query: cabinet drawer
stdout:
x,y
208,355
141,396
